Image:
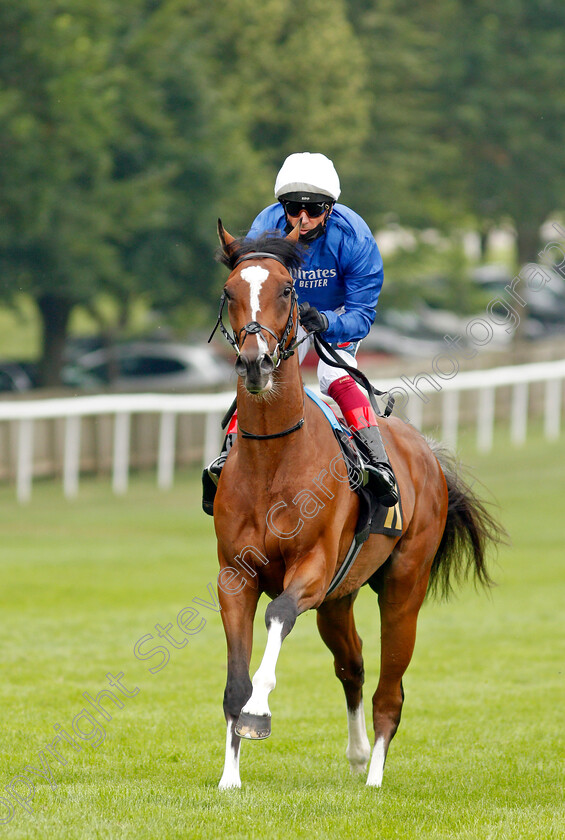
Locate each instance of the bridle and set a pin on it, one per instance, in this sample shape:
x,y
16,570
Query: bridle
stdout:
x,y
281,351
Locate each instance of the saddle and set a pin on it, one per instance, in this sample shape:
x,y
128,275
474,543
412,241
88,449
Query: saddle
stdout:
x,y
374,518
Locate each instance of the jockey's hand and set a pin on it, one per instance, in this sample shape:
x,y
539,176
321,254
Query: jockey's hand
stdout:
x,y
311,319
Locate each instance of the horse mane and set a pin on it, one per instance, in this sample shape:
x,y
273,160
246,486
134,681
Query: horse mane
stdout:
x,y
271,242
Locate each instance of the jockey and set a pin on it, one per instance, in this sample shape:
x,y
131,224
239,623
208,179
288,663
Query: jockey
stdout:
x,y
338,286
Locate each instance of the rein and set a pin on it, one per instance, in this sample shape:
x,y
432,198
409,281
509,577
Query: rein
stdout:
x,y
328,355
281,352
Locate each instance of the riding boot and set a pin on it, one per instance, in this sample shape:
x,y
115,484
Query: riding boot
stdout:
x,y
362,422
216,466
381,477
211,475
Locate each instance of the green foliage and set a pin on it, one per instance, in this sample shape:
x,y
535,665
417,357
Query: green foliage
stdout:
x,y
128,127
503,102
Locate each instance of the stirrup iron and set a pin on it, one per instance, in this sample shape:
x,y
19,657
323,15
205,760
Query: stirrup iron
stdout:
x,y
381,476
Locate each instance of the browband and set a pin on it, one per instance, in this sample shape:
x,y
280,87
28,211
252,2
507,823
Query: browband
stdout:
x,y
258,255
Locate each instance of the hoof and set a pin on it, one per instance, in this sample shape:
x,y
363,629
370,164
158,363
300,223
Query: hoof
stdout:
x,y
229,784
357,769
254,727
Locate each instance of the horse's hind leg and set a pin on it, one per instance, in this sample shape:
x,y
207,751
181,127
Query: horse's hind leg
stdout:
x,y
400,599
337,628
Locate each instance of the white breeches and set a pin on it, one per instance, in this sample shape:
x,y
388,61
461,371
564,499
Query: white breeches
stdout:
x,y
326,374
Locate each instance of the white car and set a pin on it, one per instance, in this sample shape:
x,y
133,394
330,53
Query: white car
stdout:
x,y
148,366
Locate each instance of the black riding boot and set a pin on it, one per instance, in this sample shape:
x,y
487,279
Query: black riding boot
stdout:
x,y
211,475
381,477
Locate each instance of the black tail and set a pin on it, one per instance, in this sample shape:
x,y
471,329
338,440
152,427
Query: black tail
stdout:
x,y
469,532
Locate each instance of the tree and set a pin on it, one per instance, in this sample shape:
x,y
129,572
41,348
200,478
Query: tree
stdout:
x,y
67,104
129,126
504,104
401,175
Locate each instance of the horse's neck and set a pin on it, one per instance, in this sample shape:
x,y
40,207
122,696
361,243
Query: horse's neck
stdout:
x,y
278,411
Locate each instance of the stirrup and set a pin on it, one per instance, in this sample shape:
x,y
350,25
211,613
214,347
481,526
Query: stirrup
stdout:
x,y
211,476
215,467
375,460
382,483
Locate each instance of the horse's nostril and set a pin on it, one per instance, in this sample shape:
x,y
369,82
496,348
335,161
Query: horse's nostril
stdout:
x,y
266,365
240,366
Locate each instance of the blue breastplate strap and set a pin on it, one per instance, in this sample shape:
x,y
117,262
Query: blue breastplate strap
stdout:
x,y
330,416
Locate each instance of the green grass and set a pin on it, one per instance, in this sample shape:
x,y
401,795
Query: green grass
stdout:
x,y
479,753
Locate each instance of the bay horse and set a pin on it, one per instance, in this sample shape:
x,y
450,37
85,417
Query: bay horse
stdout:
x,y
285,520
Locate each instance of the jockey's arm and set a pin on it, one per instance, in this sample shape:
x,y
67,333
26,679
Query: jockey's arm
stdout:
x,y
363,277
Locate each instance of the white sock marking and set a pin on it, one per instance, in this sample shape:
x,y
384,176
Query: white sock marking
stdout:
x,y
358,749
230,777
376,770
265,680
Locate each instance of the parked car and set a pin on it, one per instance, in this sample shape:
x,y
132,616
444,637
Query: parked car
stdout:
x,y
544,302
16,377
402,334
146,365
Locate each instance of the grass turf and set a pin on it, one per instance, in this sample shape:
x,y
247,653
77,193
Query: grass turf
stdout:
x,y
479,753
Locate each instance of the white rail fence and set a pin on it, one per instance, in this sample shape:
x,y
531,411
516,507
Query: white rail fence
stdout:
x,y
412,394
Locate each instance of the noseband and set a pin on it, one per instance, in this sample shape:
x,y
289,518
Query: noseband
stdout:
x,y
281,352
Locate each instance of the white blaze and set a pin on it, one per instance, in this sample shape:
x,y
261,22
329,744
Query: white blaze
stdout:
x,y
255,276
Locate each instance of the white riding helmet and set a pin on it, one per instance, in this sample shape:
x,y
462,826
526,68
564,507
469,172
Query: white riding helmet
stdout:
x,y
310,173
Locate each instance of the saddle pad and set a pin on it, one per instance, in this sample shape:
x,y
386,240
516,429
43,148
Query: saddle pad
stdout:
x,y
374,518
387,520
330,416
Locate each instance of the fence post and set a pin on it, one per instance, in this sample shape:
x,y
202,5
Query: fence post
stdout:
x,y
24,468
485,419
552,420
121,452
450,418
415,412
166,455
71,456
519,415
211,436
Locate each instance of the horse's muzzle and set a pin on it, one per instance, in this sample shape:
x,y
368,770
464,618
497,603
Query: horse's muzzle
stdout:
x,y
255,371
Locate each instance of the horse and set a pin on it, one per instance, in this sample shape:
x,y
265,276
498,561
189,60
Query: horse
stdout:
x,y
285,515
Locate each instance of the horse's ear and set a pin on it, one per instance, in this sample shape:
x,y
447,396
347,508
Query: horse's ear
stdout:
x,y
294,233
225,237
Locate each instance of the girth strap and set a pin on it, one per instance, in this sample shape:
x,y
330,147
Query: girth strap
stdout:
x,y
341,574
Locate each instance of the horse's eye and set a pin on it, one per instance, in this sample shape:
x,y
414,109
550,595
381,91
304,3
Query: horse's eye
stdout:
x,y
286,291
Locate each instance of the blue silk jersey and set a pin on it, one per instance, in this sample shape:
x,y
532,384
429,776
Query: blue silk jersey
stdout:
x,y
342,268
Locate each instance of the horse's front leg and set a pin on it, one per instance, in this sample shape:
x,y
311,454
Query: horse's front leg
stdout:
x,y
238,612
304,588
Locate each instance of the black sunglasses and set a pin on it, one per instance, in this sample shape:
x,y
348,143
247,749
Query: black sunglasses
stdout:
x,y
313,208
